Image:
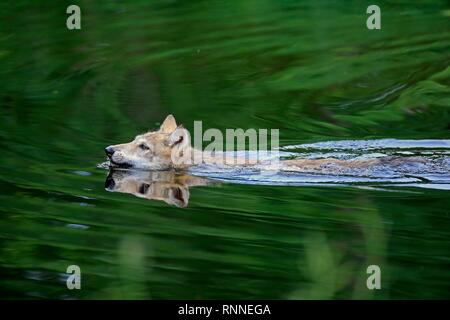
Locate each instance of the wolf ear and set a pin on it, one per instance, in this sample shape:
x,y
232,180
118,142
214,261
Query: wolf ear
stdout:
x,y
169,124
180,137
178,196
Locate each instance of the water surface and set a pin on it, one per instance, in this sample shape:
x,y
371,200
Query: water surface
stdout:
x,y
310,69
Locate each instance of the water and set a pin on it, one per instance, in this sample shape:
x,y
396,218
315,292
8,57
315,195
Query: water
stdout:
x,y
423,162
310,69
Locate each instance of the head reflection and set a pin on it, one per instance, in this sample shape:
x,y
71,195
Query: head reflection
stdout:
x,y
168,186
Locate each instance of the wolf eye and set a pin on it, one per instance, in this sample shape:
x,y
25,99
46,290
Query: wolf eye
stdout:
x,y
143,146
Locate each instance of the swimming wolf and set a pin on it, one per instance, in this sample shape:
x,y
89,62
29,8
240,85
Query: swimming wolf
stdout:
x,y
170,147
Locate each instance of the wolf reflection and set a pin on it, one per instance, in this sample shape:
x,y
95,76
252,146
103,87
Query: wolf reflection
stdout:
x,y
168,186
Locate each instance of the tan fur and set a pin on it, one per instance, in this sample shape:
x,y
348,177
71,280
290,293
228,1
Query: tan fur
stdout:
x,y
153,150
311,165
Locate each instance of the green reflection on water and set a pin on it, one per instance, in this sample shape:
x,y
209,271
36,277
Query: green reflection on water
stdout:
x,y
310,69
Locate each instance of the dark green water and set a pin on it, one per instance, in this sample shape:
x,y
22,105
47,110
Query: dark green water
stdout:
x,y
311,69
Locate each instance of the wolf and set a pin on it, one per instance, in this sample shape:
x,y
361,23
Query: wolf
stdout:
x,y
169,148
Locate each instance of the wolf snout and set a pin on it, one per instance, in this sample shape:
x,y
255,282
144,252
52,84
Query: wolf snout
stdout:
x,y
109,151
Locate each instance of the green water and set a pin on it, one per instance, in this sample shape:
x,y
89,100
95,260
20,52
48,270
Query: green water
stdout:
x,y
311,69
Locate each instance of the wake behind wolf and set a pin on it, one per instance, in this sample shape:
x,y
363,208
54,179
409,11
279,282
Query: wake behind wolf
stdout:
x,y
422,163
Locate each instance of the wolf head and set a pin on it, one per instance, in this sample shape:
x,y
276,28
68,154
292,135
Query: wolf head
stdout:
x,y
169,147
